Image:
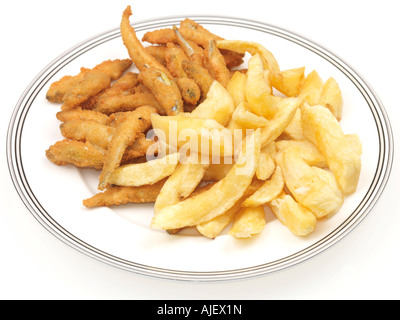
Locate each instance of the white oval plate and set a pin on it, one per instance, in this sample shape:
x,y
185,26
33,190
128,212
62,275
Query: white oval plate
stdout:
x,y
121,236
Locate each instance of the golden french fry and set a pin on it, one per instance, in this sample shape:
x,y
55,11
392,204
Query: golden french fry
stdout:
x,y
218,105
237,87
219,198
286,110
308,151
291,81
212,228
180,184
253,48
139,174
268,191
322,128
248,222
266,164
258,90
313,187
245,119
331,97
294,129
297,218
203,136
312,88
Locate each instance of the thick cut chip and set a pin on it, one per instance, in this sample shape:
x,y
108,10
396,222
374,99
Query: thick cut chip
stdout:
x,y
313,187
245,119
193,135
297,218
253,48
248,222
258,90
294,129
308,151
268,191
287,108
219,198
312,88
139,174
291,81
322,128
331,97
211,229
218,105
237,87
180,184
266,163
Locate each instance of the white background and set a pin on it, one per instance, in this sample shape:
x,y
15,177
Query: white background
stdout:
x,y
36,265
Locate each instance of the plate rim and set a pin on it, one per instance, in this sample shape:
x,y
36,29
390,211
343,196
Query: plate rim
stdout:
x,y
21,185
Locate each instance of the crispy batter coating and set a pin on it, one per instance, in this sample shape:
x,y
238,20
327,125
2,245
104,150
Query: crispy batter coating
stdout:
x,y
191,49
118,195
141,58
129,102
87,130
82,114
189,89
164,89
159,36
157,52
78,153
174,56
92,83
199,74
135,123
137,149
217,65
113,68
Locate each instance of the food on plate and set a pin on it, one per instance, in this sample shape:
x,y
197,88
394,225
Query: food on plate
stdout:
x,y
78,153
322,128
164,89
268,191
219,198
112,68
248,221
119,195
133,124
297,218
210,131
145,173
